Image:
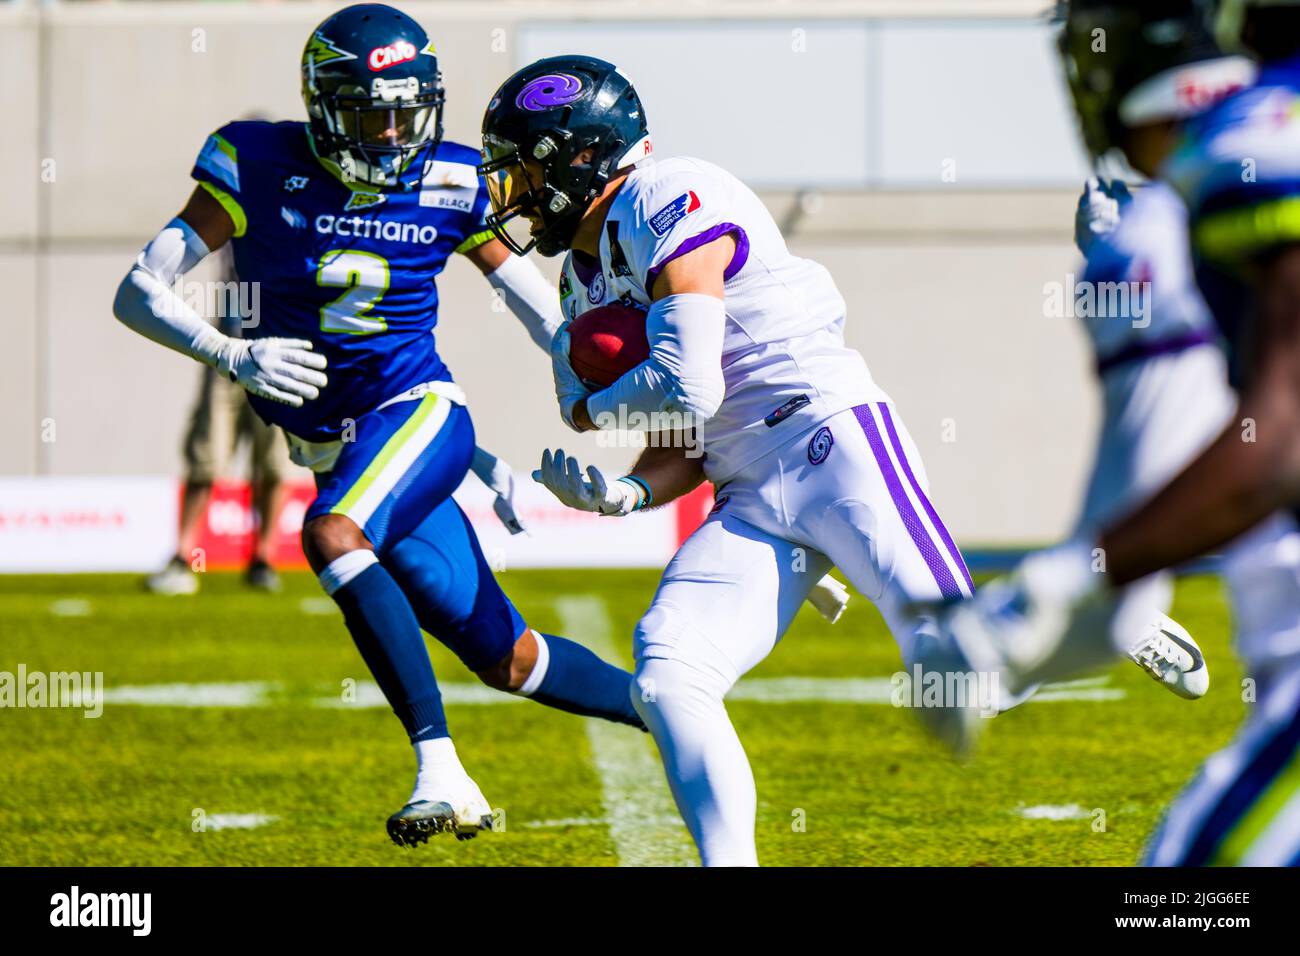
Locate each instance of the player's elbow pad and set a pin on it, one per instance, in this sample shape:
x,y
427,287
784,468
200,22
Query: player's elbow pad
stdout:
x,y
699,398
685,333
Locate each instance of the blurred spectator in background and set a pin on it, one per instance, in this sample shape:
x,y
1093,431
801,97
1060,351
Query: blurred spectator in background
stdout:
x,y
221,419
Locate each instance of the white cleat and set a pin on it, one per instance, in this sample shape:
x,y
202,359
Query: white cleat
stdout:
x,y
175,578
1169,655
457,807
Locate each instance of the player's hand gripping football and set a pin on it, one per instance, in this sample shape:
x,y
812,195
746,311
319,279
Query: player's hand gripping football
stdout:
x,y
564,477
282,370
568,386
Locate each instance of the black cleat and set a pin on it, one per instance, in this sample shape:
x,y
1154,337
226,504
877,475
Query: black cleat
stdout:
x,y
416,822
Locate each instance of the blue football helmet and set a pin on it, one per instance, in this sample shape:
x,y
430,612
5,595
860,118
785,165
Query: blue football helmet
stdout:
x,y
374,96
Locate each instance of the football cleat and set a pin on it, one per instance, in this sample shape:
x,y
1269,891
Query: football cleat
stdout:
x,y
464,812
175,578
957,723
262,577
1169,656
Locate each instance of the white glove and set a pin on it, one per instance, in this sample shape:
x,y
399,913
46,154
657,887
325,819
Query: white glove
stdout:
x,y
564,479
829,597
500,477
283,370
1099,211
568,386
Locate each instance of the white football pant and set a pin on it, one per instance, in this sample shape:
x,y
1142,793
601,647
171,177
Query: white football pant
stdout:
x,y
850,493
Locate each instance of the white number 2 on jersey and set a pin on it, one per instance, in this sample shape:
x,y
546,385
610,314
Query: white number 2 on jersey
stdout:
x,y
364,276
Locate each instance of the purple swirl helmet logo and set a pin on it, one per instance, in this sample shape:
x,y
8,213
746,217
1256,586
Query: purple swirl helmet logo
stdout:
x,y
549,91
820,445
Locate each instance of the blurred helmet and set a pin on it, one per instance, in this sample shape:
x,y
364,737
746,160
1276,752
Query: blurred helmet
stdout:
x,y
1136,62
374,96
535,129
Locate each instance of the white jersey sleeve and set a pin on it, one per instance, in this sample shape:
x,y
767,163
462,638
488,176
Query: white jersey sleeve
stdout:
x,y
676,215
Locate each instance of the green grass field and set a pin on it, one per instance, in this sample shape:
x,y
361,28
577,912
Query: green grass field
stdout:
x,y
268,740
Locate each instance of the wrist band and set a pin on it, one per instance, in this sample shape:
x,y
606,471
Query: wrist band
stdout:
x,y
644,498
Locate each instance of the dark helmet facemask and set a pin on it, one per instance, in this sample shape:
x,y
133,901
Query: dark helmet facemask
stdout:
x,y
374,96
527,210
378,137
554,136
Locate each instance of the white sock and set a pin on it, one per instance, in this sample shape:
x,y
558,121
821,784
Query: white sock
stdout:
x,y
705,762
436,761
344,568
538,673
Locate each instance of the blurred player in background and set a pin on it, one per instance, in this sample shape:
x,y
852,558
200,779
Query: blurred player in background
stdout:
x,y
222,419
345,222
1238,169
1163,374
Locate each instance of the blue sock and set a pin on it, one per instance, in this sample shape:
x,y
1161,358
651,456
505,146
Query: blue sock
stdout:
x,y
578,681
386,633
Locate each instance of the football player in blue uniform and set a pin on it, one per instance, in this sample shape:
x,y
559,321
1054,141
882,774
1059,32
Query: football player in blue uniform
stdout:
x,y
344,223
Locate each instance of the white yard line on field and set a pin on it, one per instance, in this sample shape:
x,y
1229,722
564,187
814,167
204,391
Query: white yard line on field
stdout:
x,y
1051,811
643,822
70,607
764,690
236,821
242,694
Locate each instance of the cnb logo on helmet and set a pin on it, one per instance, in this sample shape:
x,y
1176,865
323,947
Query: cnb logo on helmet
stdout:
x,y
381,58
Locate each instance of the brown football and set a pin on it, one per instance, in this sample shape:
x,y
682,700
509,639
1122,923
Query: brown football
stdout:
x,y
606,342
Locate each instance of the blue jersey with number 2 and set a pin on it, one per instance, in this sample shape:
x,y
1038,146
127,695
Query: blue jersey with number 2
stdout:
x,y
350,268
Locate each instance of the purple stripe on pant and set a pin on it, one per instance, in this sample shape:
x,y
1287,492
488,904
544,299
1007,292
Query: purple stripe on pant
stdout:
x,y
934,560
923,498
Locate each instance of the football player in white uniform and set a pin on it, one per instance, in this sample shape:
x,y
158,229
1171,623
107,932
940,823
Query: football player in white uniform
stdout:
x,y
812,463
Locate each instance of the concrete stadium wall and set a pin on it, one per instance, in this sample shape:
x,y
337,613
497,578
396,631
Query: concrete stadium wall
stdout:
x,y
944,284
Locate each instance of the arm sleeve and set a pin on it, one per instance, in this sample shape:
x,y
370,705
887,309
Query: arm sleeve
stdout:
x,y
530,297
683,374
147,303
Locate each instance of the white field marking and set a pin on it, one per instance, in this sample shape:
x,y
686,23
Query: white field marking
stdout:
x,y
70,607
1049,811
765,690
880,690
244,694
317,606
1050,696
565,822
237,821
369,696
643,821
588,822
